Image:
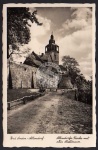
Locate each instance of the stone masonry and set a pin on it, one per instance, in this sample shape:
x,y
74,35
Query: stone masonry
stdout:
x,y
21,76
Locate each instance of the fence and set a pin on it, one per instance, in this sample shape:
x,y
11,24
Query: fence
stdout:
x,y
23,100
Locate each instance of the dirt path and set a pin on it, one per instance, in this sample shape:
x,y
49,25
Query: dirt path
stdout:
x,y
46,115
34,117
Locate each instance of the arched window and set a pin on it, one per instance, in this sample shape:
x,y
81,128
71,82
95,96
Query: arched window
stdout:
x,y
57,48
45,49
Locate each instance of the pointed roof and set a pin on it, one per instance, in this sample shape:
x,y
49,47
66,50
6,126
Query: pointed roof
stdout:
x,y
44,57
37,57
33,60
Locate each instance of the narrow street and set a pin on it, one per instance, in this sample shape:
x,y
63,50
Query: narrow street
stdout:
x,y
52,113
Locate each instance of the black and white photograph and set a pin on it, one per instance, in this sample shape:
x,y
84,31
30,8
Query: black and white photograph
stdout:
x,y
49,75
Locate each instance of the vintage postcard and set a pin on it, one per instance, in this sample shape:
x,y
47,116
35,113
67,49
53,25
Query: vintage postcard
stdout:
x,y
49,75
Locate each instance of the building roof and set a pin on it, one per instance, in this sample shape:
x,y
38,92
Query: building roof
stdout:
x,y
33,60
44,57
37,57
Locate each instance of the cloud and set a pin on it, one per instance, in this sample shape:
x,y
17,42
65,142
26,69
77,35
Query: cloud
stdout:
x,y
80,18
76,24
78,44
73,34
38,32
81,13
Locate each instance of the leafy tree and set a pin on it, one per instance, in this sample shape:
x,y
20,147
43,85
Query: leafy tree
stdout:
x,y
84,87
71,66
69,62
18,27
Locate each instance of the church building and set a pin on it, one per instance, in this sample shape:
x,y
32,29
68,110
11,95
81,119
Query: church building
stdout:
x,y
52,51
51,54
24,75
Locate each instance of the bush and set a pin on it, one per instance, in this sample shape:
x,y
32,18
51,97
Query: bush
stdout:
x,y
85,96
41,89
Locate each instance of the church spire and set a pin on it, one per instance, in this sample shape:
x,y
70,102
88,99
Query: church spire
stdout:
x,y
52,50
52,37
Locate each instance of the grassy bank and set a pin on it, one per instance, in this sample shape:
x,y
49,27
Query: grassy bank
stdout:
x,y
76,115
13,94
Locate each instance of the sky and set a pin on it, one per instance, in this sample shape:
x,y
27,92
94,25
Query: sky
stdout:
x,y
72,30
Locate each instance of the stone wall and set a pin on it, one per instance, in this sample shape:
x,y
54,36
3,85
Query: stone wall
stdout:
x,y
24,76
65,82
21,76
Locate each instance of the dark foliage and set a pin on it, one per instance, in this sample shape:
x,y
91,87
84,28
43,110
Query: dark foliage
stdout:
x,y
18,27
85,96
84,87
71,66
10,80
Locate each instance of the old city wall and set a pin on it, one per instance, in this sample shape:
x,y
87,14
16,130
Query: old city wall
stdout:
x,y
65,82
21,76
24,76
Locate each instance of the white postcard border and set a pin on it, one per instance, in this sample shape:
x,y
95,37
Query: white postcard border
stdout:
x,y
45,140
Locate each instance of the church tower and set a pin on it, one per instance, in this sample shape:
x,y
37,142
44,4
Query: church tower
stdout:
x,y
52,51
